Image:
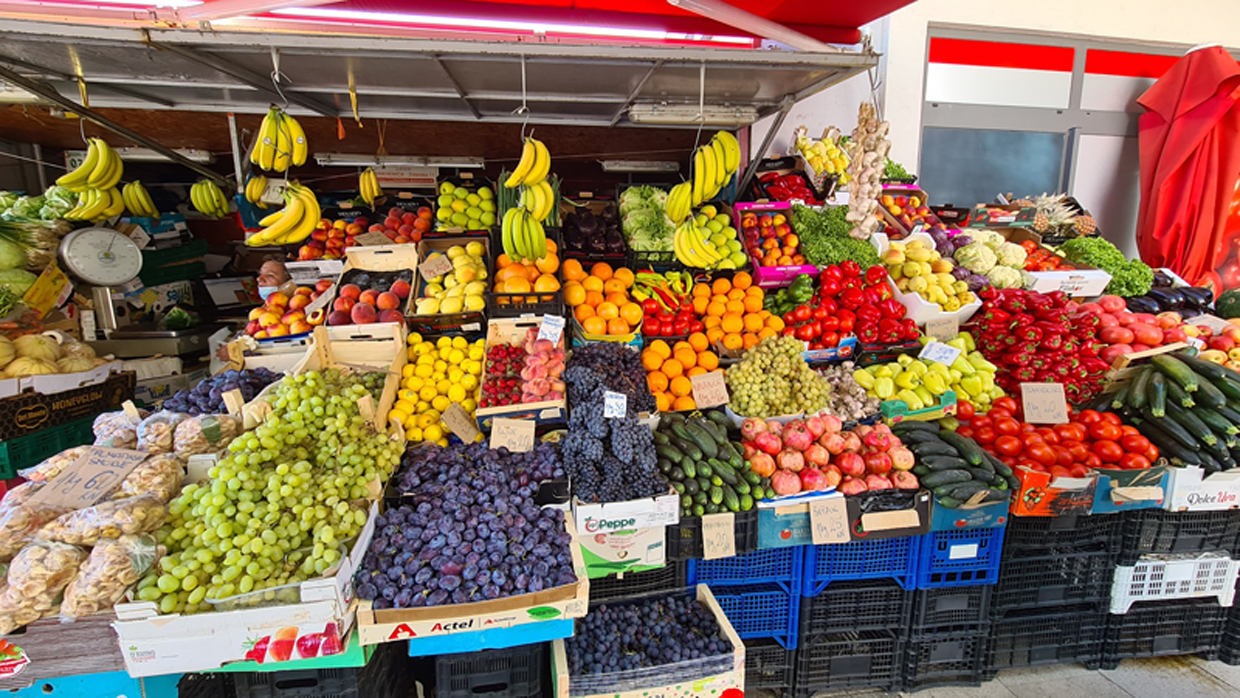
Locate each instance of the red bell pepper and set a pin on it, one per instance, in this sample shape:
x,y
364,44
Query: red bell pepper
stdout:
x,y
850,268
876,274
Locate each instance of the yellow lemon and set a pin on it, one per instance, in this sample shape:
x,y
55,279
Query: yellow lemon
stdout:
x,y
406,371
414,338
469,405
442,442
438,376
398,414
423,406
413,434
441,366
477,352
441,403
456,393
456,357
425,420
434,415
443,342
424,370
406,406
455,374
425,348
474,368
445,352
443,385
415,384
469,383
459,342
428,393
426,360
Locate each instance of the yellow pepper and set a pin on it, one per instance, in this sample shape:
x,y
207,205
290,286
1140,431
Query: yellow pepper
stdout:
x,y
934,382
864,379
884,388
908,380
927,398
911,399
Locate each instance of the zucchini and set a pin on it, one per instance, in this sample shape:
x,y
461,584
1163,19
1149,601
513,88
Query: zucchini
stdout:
x,y
1229,414
946,477
1217,422
1176,395
948,503
1208,369
1157,394
688,448
968,448
1174,430
1195,426
669,452
983,475
920,470
1139,394
1177,371
660,439
909,425
1209,396
1167,445
963,492
1229,388
703,439
1120,397
940,463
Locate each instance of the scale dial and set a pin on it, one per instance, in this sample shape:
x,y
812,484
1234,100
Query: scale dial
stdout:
x,y
101,256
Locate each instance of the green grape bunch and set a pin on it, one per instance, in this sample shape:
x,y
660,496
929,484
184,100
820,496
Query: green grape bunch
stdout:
x,y
772,379
280,503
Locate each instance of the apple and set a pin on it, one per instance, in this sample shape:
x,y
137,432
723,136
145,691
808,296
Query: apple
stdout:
x,y
1221,343
1169,319
1213,356
1233,332
1174,335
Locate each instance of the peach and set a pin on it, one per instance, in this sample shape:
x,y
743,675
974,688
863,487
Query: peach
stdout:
x,y
401,288
353,229
408,218
322,285
292,316
390,301
256,313
302,291
317,317
425,212
299,301
277,298
277,331
269,319
363,314
369,297
350,291
262,334
344,304
338,317
300,327
252,326
390,316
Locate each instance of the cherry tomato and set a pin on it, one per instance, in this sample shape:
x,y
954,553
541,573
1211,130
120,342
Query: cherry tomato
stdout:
x,y
802,313
999,413
1041,453
1090,417
1104,431
1134,461
981,420
1151,453
1048,435
830,323
1078,450
1006,403
965,431
1071,432
1134,443
1093,461
1107,450
984,435
1112,418
964,410
1008,445
1128,431
1007,426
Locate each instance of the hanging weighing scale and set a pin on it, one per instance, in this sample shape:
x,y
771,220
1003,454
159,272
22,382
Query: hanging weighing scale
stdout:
x,y
101,256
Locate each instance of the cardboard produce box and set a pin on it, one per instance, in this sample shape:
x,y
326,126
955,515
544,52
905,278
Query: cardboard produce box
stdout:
x,y
512,331
1129,490
1040,494
1191,489
1083,281
48,649
33,403
792,521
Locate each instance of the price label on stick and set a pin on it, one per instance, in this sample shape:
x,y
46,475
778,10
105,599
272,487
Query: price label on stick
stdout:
x,y
517,435
461,424
552,328
437,265
90,478
615,405
828,521
373,239
1044,403
718,535
943,329
709,390
942,353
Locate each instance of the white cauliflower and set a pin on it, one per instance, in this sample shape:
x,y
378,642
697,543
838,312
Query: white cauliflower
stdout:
x,y
987,237
1005,277
1011,255
976,257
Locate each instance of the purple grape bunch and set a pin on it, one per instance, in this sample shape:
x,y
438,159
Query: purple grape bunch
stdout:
x,y
648,633
207,397
470,532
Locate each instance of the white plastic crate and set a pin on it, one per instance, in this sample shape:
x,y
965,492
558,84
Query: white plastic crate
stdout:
x,y
1166,577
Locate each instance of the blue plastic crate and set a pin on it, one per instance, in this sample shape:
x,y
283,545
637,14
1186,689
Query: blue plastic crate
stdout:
x,y
761,611
894,558
780,566
960,558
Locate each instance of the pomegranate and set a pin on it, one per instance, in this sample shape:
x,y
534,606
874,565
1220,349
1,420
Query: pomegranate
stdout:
x,y
831,423
768,443
833,476
901,458
877,440
812,480
852,485
747,450
751,427
816,455
850,464
762,464
784,483
816,426
790,460
904,480
852,442
862,430
797,436
775,428
833,442
878,463
877,482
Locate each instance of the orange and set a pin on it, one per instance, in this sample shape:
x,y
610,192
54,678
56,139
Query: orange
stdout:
x,y
714,334
651,360
656,380
699,342
732,322
613,285
582,313
753,304
749,339
574,294
712,321
753,323
701,290
681,386
681,345
707,361
736,294
619,298
632,313
616,326
716,309
732,341
602,270
546,283
510,271
684,404
695,371
594,325
660,347
735,307
719,298
572,270
607,310
755,291
548,264
721,287
625,276
766,332
551,246
672,368
742,280
687,357
663,402
593,298
517,284
699,305
592,283
503,261
775,323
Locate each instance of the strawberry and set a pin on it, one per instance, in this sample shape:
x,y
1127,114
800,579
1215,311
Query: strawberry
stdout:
x,y
308,645
258,649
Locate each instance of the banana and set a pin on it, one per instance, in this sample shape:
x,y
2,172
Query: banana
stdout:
x,y
543,165
72,214
520,235
144,200
710,185
684,251
271,218
376,191
552,201
265,149
76,180
364,187
721,169
506,235
678,202
528,156
288,218
731,151
284,143
255,187
97,203
309,219
699,177
529,198
109,169
116,204
299,144
538,239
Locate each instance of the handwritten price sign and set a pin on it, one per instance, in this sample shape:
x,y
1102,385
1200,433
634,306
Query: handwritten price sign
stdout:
x,y
517,435
718,535
1044,403
828,520
615,405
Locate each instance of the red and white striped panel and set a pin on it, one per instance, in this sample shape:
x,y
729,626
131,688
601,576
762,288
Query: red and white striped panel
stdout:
x,y
964,71
1115,79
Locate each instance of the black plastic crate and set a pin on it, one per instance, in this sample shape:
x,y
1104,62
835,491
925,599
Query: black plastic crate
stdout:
x,y
768,666
1157,531
1078,578
1040,636
656,261
1161,628
384,676
684,540
218,685
515,672
950,606
522,304
1042,535
849,661
1229,650
875,604
670,576
949,656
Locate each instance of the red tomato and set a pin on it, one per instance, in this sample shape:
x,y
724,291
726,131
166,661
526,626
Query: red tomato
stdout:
x,y
1089,417
1007,426
1093,461
1031,438
1071,432
1048,435
1041,453
981,420
1112,418
1062,455
1107,450
1060,471
965,431
999,413
1104,431
984,435
1128,431
1151,453
1006,403
1078,470
1026,427
1134,443
964,410
1134,461
1008,445
1078,450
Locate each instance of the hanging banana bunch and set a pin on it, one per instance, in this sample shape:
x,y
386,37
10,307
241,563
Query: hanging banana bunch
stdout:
x,y
291,224
713,165
368,185
208,199
102,169
539,200
138,201
281,142
97,205
523,237
534,167
254,189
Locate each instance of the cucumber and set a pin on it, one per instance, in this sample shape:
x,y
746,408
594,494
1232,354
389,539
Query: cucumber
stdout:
x,y
731,500
933,449
752,478
704,469
665,466
669,452
719,418
1012,481
742,487
983,475
731,455
704,483
944,490
712,508
946,477
703,439
1003,469
919,437
1157,394
968,448
716,481
944,463
725,472
688,448
1177,371
948,503
689,467
1218,423
660,439
1139,395
1209,396
1000,485
679,487
699,510
997,495
716,494
1120,397
1195,426
1176,395
691,486
746,502
920,470
701,497
676,473
686,502
913,425
963,492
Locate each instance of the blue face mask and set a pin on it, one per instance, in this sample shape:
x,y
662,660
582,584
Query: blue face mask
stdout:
x,y
264,291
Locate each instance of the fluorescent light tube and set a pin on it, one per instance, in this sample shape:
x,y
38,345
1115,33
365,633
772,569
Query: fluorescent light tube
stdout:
x,y
355,160
640,166
687,115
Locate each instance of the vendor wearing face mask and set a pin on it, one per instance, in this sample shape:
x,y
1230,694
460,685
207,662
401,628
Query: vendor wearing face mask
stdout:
x,y
272,276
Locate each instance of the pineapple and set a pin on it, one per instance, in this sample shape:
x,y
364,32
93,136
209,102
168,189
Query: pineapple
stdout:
x,y
1084,224
1053,213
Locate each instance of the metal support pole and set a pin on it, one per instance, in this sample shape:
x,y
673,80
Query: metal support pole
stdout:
x,y
38,167
784,109
235,143
55,97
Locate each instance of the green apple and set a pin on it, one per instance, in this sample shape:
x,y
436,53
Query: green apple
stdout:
x,y
735,246
718,240
738,258
708,210
713,226
446,200
459,218
474,212
700,220
473,199
724,219
460,192
488,218
729,231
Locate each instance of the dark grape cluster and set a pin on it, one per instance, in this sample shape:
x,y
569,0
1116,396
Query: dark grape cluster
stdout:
x,y
471,531
208,396
648,633
616,368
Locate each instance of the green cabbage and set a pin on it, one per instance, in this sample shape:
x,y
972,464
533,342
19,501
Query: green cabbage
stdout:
x,y
17,280
12,256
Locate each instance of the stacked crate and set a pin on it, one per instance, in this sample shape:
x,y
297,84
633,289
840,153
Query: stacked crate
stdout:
x,y
856,605
759,592
1051,603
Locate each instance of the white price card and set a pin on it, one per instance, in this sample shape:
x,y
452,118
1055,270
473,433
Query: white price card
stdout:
x,y
709,389
937,351
90,478
718,535
1216,324
615,405
943,329
552,328
517,435
828,520
437,265
1044,403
